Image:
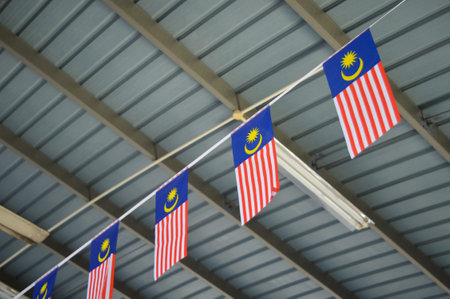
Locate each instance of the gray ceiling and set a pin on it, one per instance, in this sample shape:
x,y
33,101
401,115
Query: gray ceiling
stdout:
x,y
99,98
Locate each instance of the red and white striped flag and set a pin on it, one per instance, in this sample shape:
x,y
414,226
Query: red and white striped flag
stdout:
x,y
255,161
102,261
171,224
361,92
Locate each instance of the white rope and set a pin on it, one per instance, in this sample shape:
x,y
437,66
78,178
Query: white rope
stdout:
x,y
280,94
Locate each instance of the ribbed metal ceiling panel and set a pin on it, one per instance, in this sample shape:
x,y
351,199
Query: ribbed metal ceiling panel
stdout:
x,y
257,47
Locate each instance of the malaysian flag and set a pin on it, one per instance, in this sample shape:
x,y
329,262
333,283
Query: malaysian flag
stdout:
x,y
361,93
171,224
255,162
44,287
101,268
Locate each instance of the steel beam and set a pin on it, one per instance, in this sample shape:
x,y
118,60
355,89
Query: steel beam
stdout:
x,y
124,129
76,186
140,20
336,38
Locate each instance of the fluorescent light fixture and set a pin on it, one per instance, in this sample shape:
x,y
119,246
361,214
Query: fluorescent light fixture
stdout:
x,y
7,292
316,187
21,228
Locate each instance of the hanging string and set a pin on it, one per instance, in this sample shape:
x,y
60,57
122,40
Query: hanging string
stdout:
x,y
278,95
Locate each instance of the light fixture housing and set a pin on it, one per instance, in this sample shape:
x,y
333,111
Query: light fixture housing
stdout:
x,y
21,228
7,292
311,183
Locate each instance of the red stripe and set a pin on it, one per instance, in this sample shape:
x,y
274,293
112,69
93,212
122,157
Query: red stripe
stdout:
x,y
388,87
245,192
178,247
248,204
99,277
368,109
267,162
262,159
347,126
113,265
375,103
245,178
355,124
252,202
383,99
271,169
104,278
258,177
156,267
160,244
361,115
185,226
169,242
175,231
274,162
241,194
164,249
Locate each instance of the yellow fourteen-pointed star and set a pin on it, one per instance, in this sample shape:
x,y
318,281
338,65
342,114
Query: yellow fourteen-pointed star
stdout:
x,y
348,59
252,135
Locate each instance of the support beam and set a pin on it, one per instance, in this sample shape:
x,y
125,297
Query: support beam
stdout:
x,y
76,186
124,129
140,20
21,228
336,38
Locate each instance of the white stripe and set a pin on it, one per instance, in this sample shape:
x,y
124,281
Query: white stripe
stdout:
x,y
155,253
272,161
169,241
372,105
261,175
359,121
344,128
174,237
160,240
109,278
164,242
378,98
183,231
245,196
257,198
251,206
364,109
267,171
386,94
178,233
236,171
350,123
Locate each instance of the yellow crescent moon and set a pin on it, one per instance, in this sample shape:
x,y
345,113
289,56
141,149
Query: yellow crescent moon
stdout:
x,y
167,210
45,295
249,152
106,255
350,78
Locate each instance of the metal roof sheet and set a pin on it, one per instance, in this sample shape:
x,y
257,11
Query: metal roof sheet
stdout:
x,y
257,47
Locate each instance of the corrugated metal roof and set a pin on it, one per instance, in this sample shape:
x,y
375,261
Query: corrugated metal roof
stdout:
x,y
257,47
